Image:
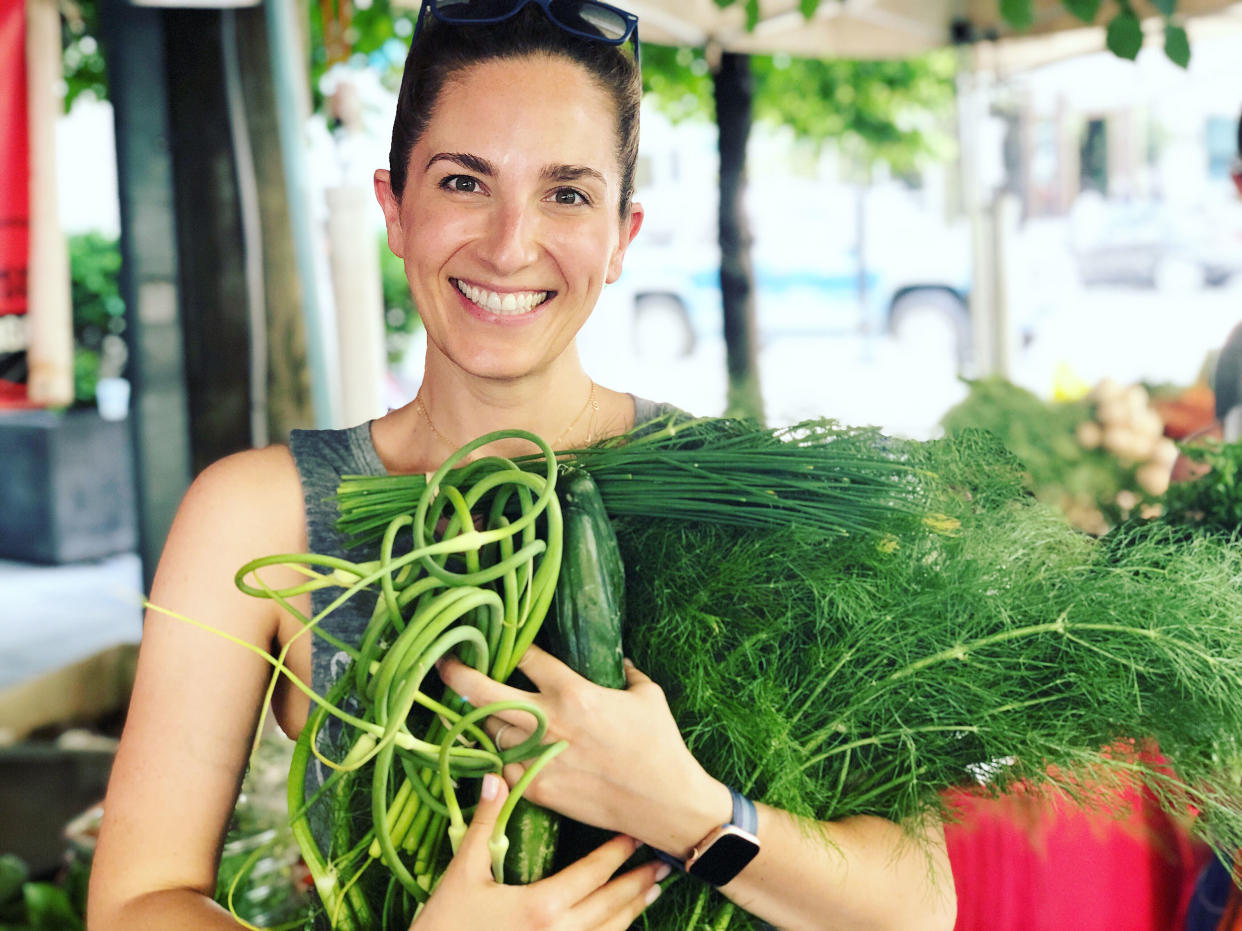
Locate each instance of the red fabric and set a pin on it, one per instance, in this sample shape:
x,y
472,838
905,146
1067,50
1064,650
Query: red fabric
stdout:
x,y
1026,864
14,198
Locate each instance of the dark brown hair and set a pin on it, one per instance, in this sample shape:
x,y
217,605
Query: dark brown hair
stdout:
x,y
441,51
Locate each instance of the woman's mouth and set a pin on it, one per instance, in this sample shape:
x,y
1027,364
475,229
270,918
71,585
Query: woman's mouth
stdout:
x,y
506,304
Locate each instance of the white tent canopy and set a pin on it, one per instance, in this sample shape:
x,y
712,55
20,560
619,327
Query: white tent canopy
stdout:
x,y
891,28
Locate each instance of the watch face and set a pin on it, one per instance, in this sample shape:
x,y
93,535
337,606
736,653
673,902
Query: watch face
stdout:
x,y
725,857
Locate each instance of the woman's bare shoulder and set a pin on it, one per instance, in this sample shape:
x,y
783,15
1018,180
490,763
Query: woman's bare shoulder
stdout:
x,y
253,472
255,492
243,506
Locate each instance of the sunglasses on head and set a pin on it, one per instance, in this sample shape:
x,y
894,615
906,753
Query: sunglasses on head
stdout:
x,y
587,19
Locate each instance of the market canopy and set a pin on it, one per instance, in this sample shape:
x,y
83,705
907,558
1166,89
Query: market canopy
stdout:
x,y
888,28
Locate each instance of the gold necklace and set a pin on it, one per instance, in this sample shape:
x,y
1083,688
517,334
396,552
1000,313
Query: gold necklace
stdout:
x,y
592,405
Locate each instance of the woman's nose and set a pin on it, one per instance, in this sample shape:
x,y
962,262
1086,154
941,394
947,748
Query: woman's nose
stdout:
x,y
511,241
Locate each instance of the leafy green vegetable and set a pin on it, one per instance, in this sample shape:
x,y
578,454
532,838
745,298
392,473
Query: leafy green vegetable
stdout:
x,y
49,908
1214,500
867,675
40,906
13,873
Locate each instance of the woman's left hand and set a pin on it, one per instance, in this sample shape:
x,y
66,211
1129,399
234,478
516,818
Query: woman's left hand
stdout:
x,y
626,769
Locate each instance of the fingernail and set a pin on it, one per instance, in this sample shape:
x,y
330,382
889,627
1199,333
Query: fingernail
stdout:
x,y
491,786
652,894
629,663
662,872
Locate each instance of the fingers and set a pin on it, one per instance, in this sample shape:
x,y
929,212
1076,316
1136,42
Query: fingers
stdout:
x,y
580,879
473,855
618,903
629,914
473,686
638,681
634,676
507,734
545,670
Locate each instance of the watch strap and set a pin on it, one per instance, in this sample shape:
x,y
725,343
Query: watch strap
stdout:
x,y
745,816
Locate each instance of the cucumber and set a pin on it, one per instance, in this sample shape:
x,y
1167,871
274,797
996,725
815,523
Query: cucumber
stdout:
x,y
532,833
583,630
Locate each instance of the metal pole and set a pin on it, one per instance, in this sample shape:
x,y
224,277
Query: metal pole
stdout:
x,y
134,42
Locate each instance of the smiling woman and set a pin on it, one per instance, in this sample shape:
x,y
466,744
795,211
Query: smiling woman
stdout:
x,y
508,197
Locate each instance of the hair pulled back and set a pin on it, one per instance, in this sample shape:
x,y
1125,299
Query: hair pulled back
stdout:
x,y
441,51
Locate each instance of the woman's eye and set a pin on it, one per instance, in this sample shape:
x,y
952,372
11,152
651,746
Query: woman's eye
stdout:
x,y
569,197
461,183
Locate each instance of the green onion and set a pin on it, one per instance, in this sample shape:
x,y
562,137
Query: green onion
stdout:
x,y
818,474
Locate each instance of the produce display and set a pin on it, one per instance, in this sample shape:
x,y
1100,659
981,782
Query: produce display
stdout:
x,y
1100,459
30,905
261,877
1213,502
843,623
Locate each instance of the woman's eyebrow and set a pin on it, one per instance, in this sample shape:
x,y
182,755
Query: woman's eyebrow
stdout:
x,y
571,173
474,163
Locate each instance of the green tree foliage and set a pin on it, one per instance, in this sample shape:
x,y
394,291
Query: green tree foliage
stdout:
x,y
886,108
377,36
879,110
81,53
1124,35
98,309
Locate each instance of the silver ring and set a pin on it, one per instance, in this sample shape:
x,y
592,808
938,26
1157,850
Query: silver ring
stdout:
x,y
496,739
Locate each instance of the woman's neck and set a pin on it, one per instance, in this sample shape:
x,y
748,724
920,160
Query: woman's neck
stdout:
x,y
560,404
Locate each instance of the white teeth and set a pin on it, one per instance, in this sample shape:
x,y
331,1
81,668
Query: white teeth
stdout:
x,y
508,304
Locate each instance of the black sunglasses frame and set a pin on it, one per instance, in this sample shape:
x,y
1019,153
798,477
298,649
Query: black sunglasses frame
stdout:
x,y
629,19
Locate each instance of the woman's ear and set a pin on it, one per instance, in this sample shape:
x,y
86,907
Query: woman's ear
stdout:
x,y
391,205
629,229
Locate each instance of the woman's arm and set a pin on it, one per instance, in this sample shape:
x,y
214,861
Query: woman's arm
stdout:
x,y
860,872
195,702
627,769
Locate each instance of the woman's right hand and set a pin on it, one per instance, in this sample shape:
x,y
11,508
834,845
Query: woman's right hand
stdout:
x,y
581,896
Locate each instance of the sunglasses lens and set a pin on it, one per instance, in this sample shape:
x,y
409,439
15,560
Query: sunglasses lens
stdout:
x,y
589,19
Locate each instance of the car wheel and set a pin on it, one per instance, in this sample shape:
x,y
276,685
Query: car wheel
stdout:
x,y
932,321
662,327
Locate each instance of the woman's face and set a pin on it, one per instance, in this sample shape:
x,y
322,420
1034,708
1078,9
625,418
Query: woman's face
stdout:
x,y
509,222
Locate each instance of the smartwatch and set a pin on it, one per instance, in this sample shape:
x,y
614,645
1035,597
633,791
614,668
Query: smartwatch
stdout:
x,y
724,852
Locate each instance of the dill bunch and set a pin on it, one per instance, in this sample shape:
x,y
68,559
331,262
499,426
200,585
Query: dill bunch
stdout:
x,y
989,643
